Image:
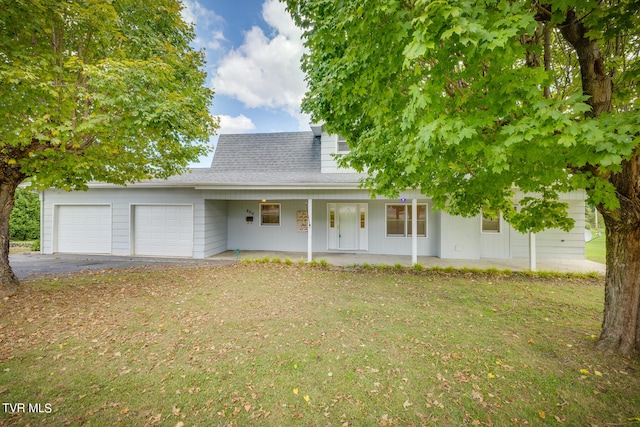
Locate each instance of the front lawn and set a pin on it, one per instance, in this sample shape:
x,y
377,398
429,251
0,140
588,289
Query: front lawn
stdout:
x,y
596,249
288,345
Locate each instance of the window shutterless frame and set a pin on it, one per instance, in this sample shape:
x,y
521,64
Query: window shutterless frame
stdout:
x,y
270,214
398,220
491,224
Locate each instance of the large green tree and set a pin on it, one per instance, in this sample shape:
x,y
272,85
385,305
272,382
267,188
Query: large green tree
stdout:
x,y
470,100
96,90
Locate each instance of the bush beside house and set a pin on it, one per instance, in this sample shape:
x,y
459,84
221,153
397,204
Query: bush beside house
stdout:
x,y
25,217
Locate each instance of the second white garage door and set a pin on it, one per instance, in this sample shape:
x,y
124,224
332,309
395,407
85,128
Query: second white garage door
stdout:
x,y
163,230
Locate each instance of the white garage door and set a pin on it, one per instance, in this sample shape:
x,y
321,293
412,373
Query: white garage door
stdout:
x,y
83,229
163,230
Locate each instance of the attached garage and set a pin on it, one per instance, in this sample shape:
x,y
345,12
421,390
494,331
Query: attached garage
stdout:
x,y
163,230
83,229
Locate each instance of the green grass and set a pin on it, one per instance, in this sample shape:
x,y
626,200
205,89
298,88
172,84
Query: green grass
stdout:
x,y
278,345
21,247
596,250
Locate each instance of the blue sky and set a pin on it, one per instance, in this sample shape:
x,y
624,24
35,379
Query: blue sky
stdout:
x,y
253,54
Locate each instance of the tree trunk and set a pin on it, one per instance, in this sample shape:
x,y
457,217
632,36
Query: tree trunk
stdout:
x,y
596,82
10,178
621,324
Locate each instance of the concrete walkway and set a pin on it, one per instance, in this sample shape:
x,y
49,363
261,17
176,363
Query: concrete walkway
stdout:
x,y
359,258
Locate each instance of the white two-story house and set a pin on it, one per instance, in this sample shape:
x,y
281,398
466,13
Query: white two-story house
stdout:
x,y
279,192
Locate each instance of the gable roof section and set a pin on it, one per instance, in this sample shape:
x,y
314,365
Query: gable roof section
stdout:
x,y
268,152
287,159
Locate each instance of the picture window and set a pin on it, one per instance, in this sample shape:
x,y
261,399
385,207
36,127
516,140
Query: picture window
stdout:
x,y
270,214
399,222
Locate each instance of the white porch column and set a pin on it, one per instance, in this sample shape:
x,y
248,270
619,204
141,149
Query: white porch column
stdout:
x,y
532,251
414,229
310,230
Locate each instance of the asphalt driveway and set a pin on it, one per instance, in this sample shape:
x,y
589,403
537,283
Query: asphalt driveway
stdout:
x,y
31,265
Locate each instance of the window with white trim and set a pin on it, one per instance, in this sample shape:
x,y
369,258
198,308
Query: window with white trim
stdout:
x,y
343,147
270,214
491,223
398,220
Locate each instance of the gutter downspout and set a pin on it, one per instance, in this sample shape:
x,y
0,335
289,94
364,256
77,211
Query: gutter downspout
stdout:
x,y
309,230
414,234
42,221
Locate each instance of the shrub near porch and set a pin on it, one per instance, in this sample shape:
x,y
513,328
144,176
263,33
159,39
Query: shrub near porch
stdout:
x,y
276,344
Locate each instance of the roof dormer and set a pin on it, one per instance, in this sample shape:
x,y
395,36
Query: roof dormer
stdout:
x,y
331,146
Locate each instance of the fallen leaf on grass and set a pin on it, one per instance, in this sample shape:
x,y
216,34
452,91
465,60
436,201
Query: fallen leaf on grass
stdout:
x,y
542,415
295,391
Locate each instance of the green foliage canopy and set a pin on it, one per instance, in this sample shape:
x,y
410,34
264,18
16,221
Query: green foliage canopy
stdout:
x,y
99,90
443,96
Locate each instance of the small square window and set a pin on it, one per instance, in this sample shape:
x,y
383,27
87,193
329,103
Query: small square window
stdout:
x,y
343,147
270,214
491,222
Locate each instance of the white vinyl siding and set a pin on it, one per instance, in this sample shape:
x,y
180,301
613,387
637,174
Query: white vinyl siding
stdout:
x,y
216,232
163,230
83,229
555,243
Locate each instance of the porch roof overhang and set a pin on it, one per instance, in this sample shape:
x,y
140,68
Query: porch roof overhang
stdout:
x,y
280,186
206,179
239,187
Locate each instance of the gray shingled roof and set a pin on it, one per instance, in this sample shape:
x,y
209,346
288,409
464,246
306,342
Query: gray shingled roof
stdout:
x,y
267,152
263,159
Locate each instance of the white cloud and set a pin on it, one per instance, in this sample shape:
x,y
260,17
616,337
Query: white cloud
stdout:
x,y
206,22
265,71
237,124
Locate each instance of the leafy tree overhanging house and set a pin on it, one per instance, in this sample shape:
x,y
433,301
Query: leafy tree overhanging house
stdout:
x,y
92,90
469,100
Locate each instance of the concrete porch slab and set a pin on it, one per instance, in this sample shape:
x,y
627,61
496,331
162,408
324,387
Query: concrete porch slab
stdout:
x,y
360,258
